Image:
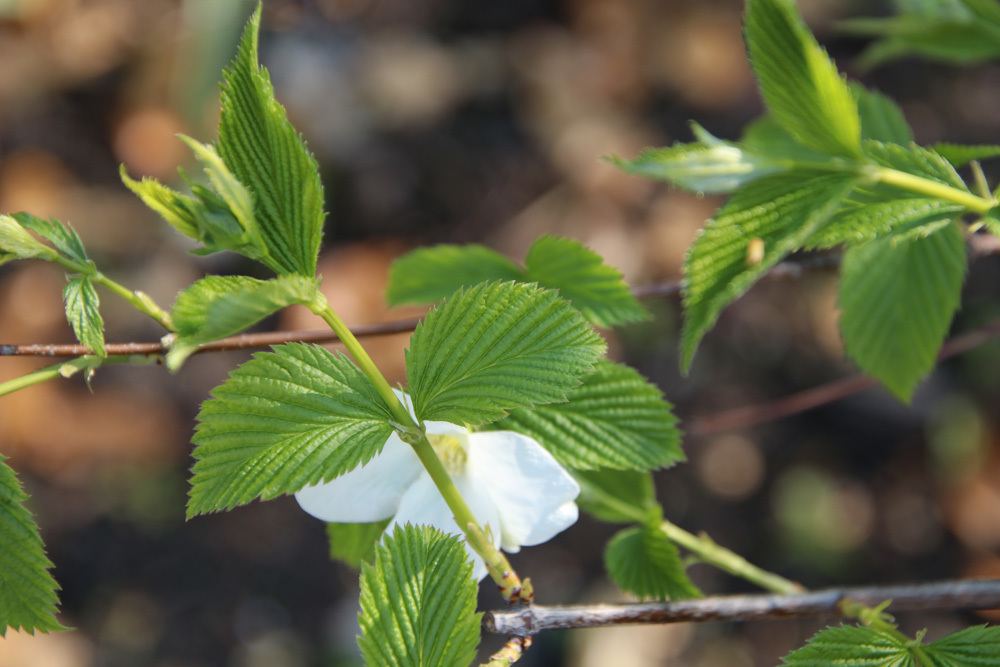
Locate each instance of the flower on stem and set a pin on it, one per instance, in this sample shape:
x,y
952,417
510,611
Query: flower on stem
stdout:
x,y
515,488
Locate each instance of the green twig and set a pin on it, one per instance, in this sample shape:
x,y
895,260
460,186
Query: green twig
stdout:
x,y
926,186
66,369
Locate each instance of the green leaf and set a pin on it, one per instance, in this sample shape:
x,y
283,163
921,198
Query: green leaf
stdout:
x,y
915,160
801,86
418,602
260,146
643,561
978,646
881,118
16,242
581,276
617,496
180,211
872,213
897,299
83,313
431,274
781,211
286,419
498,346
710,166
28,597
615,419
354,543
950,40
960,155
220,306
854,645
765,136
63,237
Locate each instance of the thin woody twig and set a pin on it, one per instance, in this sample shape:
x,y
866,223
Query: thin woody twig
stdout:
x,y
944,595
793,404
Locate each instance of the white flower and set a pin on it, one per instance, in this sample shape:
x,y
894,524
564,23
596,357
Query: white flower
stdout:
x,y
512,485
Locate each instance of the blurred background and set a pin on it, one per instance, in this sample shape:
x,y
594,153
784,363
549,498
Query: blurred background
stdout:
x,y
447,121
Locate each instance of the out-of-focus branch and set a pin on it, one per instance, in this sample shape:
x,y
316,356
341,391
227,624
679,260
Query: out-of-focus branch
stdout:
x,y
944,595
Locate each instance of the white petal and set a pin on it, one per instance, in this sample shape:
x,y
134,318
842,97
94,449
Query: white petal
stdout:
x,y
369,493
559,520
423,505
526,483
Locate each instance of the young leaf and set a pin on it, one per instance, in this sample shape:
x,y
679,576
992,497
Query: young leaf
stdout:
x,y
581,276
354,543
643,561
881,118
950,39
617,496
260,146
715,168
897,299
286,419
801,86
63,237
220,306
83,313
960,155
418,602
17,243
431,274
854,645
871,213
978,646
615,419
498,346
27,591
782,211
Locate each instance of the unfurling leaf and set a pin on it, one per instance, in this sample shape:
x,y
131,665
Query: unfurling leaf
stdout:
x,y
614,419
83,313
220,306
801,86
498,346
63,237
27,591
897,300
643,561
262,148
286,419
16,242
418,602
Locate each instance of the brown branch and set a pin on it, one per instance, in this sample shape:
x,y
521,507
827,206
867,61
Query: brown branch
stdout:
x,y
793,404
945,595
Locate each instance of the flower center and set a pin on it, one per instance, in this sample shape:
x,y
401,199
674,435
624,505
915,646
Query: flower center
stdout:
x,y
451,452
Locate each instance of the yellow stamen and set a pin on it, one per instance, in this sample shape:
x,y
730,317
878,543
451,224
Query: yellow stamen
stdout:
x,y
451,452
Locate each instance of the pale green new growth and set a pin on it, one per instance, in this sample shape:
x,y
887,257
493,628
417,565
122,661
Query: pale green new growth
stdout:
x,y
219,306
581,276
495,347
418,602
782,212
857,646
262,148
63,237
961,154
286,419
801,86
897,298
615,419
17,243
427,275
643,561
881,118
354,543
83,313
27,590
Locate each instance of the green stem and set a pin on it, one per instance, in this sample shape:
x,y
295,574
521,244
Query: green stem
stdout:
x,y
925,186
708,551
66,369
512,588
